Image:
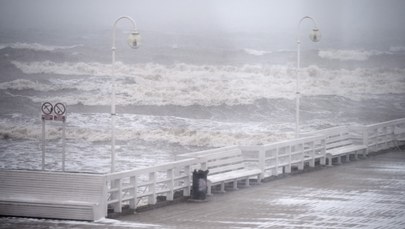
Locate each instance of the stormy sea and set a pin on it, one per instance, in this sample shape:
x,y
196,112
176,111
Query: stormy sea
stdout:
x,y
182,92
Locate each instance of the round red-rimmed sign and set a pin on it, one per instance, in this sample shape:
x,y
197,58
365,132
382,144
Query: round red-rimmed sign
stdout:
x,y
60,109
47,108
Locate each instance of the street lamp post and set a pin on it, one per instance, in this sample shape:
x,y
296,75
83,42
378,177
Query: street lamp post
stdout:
x,y
315,36
133,42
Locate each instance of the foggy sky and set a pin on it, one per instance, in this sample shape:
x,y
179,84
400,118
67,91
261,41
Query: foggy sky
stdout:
x,y
341,18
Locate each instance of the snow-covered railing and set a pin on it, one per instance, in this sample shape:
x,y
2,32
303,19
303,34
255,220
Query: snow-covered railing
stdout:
x,y
279,157
142,186
384,135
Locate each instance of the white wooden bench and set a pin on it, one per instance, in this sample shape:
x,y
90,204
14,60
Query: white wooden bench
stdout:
x,y
225,165
341,143
42,194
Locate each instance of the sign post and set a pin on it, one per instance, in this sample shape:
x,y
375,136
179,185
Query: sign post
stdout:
x,y
56,113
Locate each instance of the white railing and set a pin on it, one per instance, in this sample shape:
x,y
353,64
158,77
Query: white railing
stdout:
x,y
384,135
279,157
142,186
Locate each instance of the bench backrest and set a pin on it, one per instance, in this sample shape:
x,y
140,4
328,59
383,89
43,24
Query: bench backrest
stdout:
x,y
203,153
338,137
226,161
52,186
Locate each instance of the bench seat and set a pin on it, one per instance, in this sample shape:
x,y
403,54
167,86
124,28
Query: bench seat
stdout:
x,y
344,151
233,175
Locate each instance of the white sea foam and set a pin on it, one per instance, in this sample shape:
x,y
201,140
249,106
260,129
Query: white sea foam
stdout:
x,y
256,52
186,132
36,46
346,55
207,85
397,48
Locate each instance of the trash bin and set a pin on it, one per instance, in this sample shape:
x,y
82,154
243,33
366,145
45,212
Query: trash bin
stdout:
x,y
199,184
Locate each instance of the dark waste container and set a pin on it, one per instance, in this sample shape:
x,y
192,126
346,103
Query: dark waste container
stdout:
x,y
200,184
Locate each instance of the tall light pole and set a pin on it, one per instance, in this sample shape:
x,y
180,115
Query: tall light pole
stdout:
x,y
315,36
133,42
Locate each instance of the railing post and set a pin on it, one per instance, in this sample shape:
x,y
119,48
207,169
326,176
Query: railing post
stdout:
x,y
204,165
365,139
275,170
301,153
288,168
152,188
117,184
170,175
262,162
323,152
312,154
133,192
187,190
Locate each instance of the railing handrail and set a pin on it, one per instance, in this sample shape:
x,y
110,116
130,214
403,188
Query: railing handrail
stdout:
x,y
206,152
158,168
283,143
387,123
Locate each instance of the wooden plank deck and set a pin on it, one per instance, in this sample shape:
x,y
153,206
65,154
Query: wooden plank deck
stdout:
x,y
362,194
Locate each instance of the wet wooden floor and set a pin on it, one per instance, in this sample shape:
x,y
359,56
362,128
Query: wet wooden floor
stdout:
x,y
368,193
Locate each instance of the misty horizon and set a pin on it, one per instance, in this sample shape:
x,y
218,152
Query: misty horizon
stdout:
x,y
340,22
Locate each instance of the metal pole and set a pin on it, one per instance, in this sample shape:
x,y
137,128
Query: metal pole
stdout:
x,y
113,113
298,93
63,145
43,143
113,110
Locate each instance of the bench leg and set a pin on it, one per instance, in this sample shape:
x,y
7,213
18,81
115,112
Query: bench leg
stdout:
x,y
209,191
356,155
339,160
223,187
312,163
322,160
274,172
287,169
329,161
247,182
348,157
235,185
301,166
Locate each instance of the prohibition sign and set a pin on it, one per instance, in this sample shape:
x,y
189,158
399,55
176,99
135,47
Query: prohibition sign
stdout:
x,y
47,108
60,109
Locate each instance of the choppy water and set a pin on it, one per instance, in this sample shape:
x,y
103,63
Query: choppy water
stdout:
x,y
181,95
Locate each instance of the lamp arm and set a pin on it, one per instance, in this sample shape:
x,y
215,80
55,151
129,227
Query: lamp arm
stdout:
x,y
299,26
115,25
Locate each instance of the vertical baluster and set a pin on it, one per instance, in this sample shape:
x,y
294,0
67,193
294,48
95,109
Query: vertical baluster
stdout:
x,y
312,154
133,192
323,152
170,185
152,188
262,162
187,190
276,164
117,184
300,152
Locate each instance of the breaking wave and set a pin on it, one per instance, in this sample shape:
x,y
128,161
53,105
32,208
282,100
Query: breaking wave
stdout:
x,y
95,128
256,52
36,46
348,55
207,85
397,48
